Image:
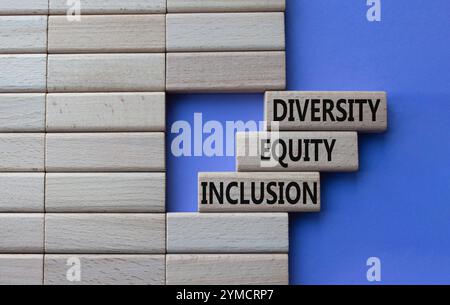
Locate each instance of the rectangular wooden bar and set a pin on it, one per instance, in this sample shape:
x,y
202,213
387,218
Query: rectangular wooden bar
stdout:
x,y
23,73
22,152
23,112
231,269
24,7
297,151
22,192
197,6
21,269
227,233
103,7
23,34
22,233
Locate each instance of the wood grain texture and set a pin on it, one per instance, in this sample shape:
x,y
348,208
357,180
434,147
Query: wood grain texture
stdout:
x,y
97,152
103,192
22,233
105,233
103,7
23,112
21,269
106,72
185,6
22,192
23,7
23,73
231,269
107,269
23,34
107,34
84,112
334,110
225,32
22,152
277,192
226,71
227,233
296,152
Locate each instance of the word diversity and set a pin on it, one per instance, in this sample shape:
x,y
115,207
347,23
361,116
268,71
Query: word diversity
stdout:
x,y
278,170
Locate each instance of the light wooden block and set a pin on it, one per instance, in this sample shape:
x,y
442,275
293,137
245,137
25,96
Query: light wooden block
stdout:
x,y
105,233
23,112
227,233
23,73
106,269
88,112
197,6
231,269
21,269
22,152
107,34
259,192
23,34
225,32
226,71
108,152
22,233
334,110
23,7
103,7
105,193
297,151
22,192
106,72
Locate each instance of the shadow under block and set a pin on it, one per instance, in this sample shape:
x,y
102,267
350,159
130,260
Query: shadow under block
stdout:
x,y
105,192
23,34
21,192
105,152
259,192
234,269
106,72
103,7
297,151
107,34
226,71
22,152
24,7
23,73
107,269
93,112
225,32
227,233
197,6
23,112
105,233
21,269
22,233
334,110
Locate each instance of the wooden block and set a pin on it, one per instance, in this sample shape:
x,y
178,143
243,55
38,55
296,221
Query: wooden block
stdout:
x,y
84,112
227,233
105,193
23,112
226,71
231,269
107,34
22,233
106,72
105,233
22,193
297,151
259,192
108,152
106,269
225,32
23,73
21,269
103,7
22,152
345,111
197,6
23,34
23,7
